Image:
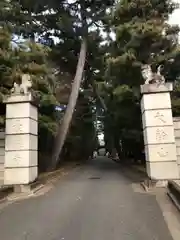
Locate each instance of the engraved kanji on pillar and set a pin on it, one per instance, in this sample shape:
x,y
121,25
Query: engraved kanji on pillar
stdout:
x,y
160,116
160,135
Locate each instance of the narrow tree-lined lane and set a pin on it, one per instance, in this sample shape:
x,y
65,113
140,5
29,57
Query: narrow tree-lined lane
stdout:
x,y
94,202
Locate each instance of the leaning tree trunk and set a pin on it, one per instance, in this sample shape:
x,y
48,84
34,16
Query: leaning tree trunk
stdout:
x,y
65,124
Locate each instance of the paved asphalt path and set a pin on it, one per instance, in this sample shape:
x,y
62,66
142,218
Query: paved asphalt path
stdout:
x,y
93,202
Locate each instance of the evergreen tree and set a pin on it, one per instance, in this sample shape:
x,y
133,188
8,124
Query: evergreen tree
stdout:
x,y
70,22
142,35
29,58
74,24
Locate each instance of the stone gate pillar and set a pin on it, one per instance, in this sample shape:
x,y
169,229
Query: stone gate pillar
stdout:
x,y
176,121
158,130
21,140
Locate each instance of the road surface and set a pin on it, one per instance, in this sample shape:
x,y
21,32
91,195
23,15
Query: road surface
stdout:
x,y
94,202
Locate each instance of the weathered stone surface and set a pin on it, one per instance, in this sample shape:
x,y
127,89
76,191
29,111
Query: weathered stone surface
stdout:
x,y
21,110
156,88
176,122
177,133
2,159
2,135
20,175
158,130
21,125
2,143
160,152
16,159
21,142
174,192
155,101
162,170
158,135
2,151
23,88
178,160
178,150
2,154
19,98
1,174
2,146
178,142
152,118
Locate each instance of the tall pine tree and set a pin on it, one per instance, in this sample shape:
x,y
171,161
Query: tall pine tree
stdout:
x,y
142,35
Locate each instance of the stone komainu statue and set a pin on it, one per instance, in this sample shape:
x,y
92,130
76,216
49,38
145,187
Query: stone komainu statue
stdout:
x,y
24,87
152,77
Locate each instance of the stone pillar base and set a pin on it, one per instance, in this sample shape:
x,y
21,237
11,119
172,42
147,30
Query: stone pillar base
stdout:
x,y
162,170
20,175
27,188
150,184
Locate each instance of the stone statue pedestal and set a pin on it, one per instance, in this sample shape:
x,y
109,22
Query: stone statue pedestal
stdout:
x,y
158,130
21,140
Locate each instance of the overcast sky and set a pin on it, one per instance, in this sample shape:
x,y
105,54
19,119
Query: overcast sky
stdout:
x,y
175,17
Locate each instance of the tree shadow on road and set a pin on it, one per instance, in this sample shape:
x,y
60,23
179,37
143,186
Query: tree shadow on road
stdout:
x,y
128,171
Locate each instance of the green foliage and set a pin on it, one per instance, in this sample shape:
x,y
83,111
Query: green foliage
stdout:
x,y
175,96
69,22
31,58
142,35
82,137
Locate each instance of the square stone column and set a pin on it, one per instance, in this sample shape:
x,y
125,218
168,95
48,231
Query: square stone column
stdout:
x,y
158,130
176,121
21,140
2,153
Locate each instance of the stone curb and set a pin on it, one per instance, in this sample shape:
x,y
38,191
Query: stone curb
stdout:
x,y
19,196
7,194
3,200
174,193
174,200
143,185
